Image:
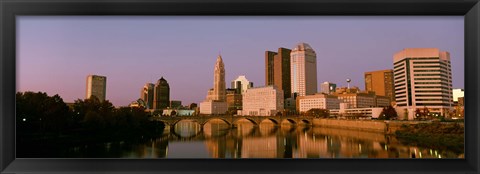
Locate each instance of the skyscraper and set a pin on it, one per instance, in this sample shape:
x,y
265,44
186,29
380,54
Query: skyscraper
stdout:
x,y
303,62
327,87
380,82
96,86
241,84
215,102
146,94
423,78
161,98
277,70
219,86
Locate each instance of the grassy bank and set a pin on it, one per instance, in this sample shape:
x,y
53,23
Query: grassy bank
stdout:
x,y
435,135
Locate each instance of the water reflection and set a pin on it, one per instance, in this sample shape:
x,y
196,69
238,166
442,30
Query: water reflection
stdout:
x,y
244,139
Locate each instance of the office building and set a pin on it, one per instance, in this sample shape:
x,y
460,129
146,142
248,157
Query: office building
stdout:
x,y
277,70
215,102
423,78
364,100
328,87
263,101
161,98
174,104
146,94
96,86
241,84
303,70
317,101
234,100
457,93
380,82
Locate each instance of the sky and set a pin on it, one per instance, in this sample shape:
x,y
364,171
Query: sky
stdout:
x,y
55,54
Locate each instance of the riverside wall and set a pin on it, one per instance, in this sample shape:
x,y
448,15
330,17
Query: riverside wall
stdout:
x,y
380,126
364,125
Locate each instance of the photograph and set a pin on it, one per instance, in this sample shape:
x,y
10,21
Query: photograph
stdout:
x,y
240,87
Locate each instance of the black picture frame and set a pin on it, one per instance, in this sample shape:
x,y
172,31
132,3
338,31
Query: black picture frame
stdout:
x,y
9,9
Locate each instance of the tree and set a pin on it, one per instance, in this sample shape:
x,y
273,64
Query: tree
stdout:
x,y
388,113
422,113
38,112
316,112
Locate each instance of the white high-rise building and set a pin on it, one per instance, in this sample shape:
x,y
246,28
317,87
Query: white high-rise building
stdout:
x,y
241,83
303,70
262,101
423,78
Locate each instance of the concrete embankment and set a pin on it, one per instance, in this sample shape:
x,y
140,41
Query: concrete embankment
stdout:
x,y
364,125
381,126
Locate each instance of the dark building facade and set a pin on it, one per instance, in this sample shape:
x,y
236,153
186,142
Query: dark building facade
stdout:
x,y
161,94
277,70
234,100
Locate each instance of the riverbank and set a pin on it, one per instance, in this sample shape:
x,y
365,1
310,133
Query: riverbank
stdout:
x,y
363,125
437,135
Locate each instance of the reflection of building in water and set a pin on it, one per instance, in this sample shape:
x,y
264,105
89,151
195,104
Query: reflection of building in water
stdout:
x,y
221,142
187,128
311,146
259,147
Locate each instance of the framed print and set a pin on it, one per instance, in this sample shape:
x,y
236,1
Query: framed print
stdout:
x,y
239,86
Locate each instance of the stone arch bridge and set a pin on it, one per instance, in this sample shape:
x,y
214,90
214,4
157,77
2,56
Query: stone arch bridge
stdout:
x,y
232,120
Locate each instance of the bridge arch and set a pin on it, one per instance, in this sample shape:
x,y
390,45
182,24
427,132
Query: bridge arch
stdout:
x,y
245,118
292,121
216,118
306,121
177,121
274,121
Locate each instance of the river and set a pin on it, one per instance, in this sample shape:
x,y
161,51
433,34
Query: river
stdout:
x,y
218,140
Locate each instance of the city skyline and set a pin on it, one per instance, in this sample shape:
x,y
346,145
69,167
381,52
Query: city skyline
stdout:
x,y
124,55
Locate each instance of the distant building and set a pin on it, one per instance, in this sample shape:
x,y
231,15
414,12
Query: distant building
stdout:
x,y
161,98
457,93
380,82
192,106
423,78
342,90
213,107
357,113
218,92
277,70
263,101
174,104
178,112
96,86
241,84
327,87
303,70
215,102
234,100
364,99
317,101
147,94
137,104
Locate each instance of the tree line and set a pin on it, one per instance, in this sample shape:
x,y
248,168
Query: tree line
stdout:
x,y
39,115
